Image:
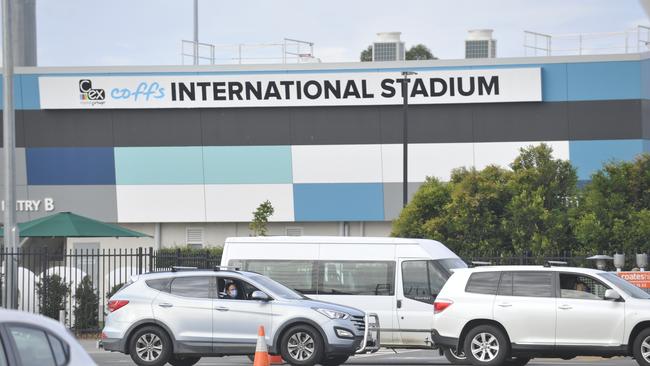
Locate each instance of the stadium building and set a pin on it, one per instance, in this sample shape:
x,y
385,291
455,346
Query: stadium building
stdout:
x,y
187,153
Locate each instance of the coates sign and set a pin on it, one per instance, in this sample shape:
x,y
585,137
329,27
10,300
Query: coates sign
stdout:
x,y
289,90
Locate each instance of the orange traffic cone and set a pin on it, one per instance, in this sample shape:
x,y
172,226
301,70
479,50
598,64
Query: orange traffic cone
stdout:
x,y
276,360
261,350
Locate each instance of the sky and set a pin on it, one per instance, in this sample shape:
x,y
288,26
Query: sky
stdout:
x,y
149,32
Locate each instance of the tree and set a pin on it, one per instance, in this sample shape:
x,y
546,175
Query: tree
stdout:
x,y
496,211
420,52
53,293
366,55
86,309
543,193
614,208
261,218
426,208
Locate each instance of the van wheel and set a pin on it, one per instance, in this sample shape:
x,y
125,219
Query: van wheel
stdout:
x,y
456,358
641,349
150,346
302,345
334,361
184,361
486,345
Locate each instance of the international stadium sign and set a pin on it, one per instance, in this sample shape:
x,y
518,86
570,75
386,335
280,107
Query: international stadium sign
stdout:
x,y
290,90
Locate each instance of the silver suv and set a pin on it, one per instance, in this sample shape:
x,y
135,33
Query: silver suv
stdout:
x,y
183,315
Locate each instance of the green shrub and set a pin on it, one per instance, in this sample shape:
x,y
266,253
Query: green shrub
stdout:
x,y
53,293
86,310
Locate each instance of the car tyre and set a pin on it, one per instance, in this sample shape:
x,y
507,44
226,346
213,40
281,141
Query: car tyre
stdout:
x,y
334,361
150,346
302,345
455,358
642,346
486,345
184,361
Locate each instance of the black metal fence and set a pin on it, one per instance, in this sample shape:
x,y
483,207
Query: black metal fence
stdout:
x,y
75,285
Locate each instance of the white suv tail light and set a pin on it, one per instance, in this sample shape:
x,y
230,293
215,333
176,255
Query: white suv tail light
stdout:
x,y
440,305
114,305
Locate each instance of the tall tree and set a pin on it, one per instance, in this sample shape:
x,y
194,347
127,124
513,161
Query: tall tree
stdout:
x,y
366,55
420,52
543,192
614,210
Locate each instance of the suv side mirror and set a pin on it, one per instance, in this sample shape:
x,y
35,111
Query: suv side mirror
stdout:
x,y
260,296
612,295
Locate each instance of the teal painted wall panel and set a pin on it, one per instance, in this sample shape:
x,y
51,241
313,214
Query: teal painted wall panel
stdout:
x,y
159,165
247,164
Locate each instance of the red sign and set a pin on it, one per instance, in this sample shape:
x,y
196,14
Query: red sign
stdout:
x,y
640,279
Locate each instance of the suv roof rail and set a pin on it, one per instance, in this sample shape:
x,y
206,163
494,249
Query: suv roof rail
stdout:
x,y
479,263
549,264
183,268
221,268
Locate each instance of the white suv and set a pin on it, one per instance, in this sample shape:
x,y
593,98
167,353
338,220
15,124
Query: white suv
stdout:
x,y
508,315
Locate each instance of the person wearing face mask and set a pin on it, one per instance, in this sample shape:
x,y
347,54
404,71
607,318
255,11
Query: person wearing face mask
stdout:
x,y
232,292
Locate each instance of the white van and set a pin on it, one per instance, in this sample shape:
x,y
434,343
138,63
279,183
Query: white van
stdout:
x,y
398,279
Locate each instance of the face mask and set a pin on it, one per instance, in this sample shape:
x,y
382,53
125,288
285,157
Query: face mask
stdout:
x,y
233,293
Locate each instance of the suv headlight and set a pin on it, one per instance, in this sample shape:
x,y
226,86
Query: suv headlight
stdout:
x,y
333,314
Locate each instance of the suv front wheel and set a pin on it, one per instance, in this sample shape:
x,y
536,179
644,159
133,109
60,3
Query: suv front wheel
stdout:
x,y
641,349
302,345
150,346
486,345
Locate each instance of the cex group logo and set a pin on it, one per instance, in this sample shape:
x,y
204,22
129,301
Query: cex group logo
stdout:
x,y
90,95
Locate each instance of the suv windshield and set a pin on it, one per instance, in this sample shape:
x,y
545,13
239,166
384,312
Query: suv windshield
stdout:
x,y
277,288
625,286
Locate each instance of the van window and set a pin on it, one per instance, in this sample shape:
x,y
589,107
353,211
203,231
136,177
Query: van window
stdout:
x,y
533,284
298,275
423,280
483,283
372,278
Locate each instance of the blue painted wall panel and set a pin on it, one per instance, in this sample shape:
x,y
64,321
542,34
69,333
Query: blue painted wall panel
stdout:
x,y
589,156
338,202
645,79
30,99
247,164
159,165
70,166
604,80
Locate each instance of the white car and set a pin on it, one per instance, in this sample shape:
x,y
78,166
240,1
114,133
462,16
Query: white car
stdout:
x,y
35,340
508,315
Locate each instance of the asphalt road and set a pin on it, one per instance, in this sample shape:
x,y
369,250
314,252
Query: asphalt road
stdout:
x,y
382,358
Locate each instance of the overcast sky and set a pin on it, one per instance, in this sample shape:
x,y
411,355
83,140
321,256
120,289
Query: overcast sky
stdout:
x,y
149,32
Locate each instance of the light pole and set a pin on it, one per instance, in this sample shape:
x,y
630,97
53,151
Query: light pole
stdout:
x,y
405,131
9,145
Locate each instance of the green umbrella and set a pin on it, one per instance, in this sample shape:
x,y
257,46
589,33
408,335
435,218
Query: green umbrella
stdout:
x,y
67,224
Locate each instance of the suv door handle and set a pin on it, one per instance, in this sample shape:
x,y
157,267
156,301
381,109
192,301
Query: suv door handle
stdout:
x,y
505,305
565,307
221,308
165,305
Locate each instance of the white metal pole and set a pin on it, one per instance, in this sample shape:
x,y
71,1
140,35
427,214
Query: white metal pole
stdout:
x,y
196,32
9,145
